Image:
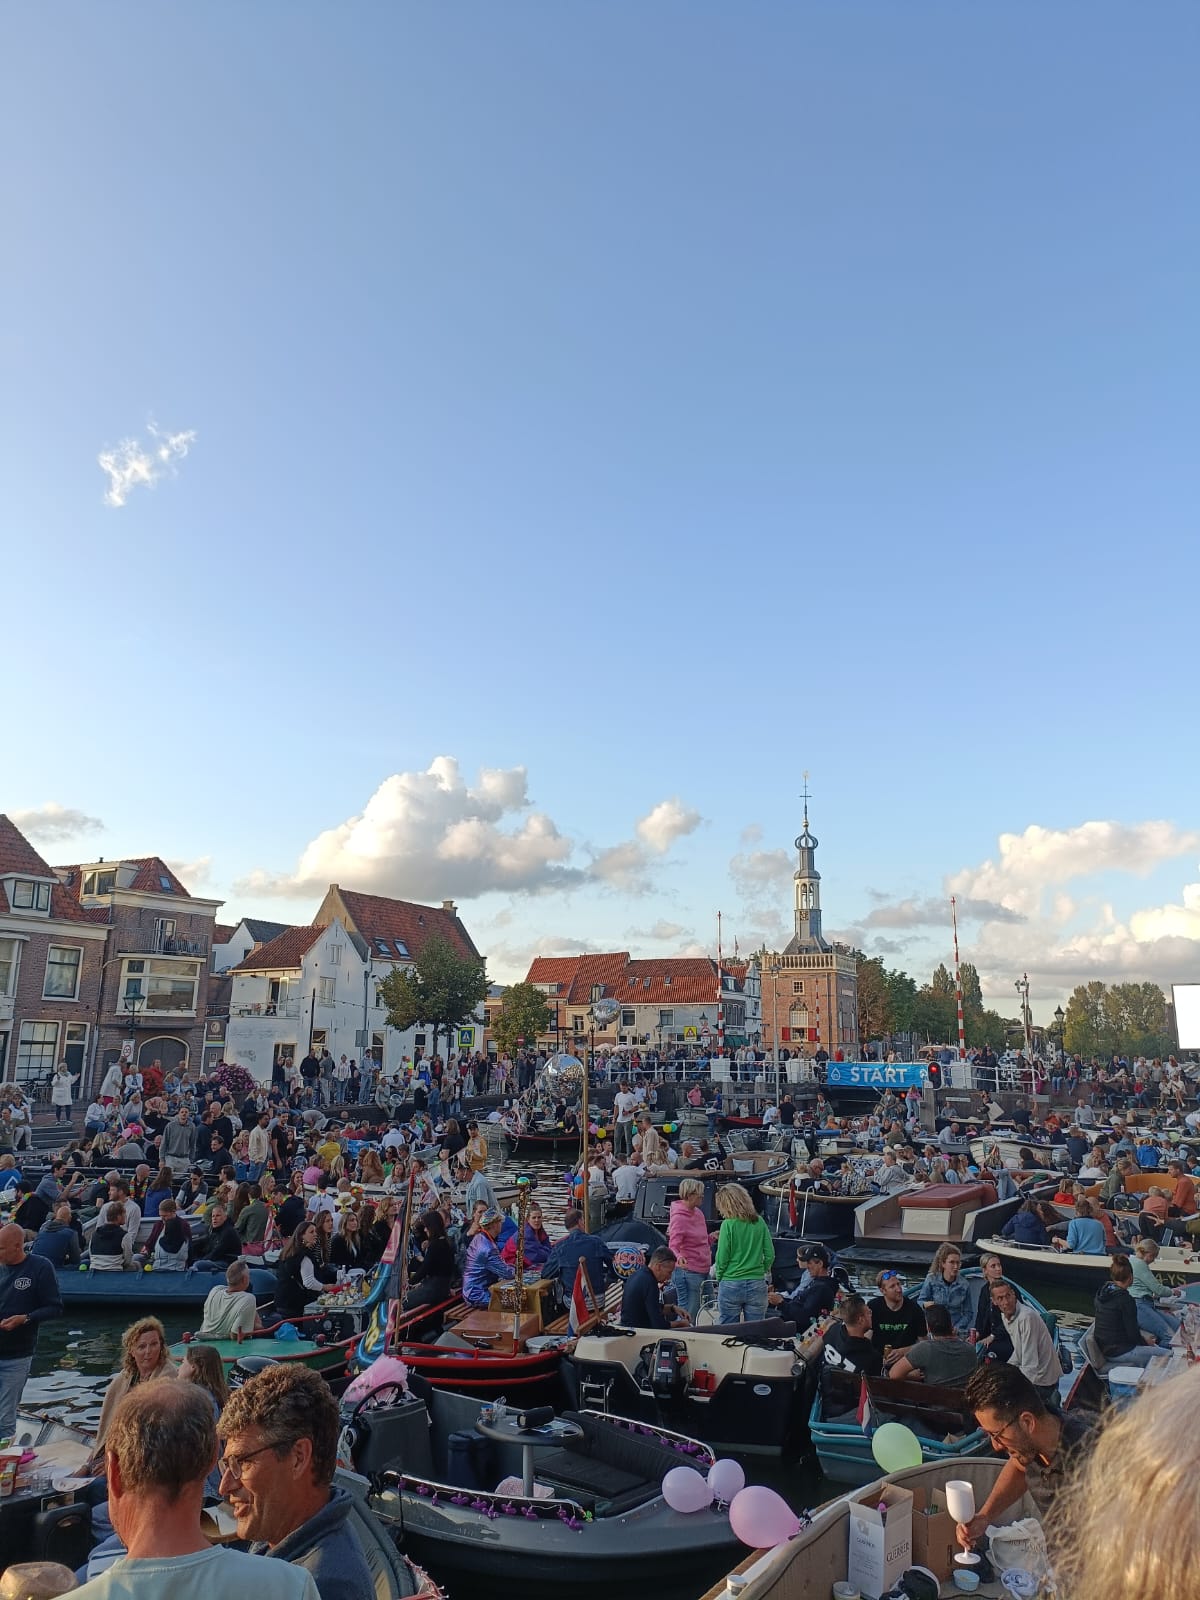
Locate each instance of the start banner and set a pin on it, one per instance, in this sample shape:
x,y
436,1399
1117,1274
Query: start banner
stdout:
x,y
875,1075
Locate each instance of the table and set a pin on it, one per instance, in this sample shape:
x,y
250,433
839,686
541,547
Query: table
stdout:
x,y
506,1431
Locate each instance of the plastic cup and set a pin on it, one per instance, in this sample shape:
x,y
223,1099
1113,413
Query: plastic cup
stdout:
x,y
960,1499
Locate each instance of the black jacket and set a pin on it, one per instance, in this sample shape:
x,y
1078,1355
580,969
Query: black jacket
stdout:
x,y
641,1301
224,1244
1116,1329
29,1289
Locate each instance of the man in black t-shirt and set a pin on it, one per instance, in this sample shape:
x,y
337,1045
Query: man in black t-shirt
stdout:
x,y
848,1343
897,1323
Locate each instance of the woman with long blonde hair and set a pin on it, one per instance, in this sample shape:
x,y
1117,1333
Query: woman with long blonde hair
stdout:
x,y
144,1358
745,1253
1126,1524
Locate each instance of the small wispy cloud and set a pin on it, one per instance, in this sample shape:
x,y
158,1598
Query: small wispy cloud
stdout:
x,y
141,463
53,822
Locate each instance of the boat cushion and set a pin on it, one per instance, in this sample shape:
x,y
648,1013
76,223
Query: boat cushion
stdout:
x,y
937,1196
609,1470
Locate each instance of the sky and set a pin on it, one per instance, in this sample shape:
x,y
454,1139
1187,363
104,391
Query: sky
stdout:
x,y
492,453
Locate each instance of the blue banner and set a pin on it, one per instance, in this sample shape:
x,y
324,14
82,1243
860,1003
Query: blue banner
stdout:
x,y
875,1075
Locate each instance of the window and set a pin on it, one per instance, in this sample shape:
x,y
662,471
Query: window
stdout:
x,y
577,1024
325,991
667,981
10,954
382,946
37,1051
666,1019
798,986
164,932
335,955
628,1019
99,882
62,972
402,950
163,985
27,896
165,883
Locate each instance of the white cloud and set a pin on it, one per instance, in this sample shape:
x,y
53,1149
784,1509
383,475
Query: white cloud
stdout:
x,y
1043,857
195,874
141,463
670,820
431,835
751,833
628,866
934,912
53,823
1039,927
661,932
754,871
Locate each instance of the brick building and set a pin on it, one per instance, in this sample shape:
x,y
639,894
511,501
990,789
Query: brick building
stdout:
x,y
810,988
154,990
51,966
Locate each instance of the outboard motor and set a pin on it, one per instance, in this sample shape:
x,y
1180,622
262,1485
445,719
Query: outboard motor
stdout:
x,y
670,1372
246,1368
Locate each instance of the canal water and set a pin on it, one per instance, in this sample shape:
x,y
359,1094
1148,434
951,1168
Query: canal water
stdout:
x,y
89,1343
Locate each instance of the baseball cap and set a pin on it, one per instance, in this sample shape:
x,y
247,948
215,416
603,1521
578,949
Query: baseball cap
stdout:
x,y
816,1252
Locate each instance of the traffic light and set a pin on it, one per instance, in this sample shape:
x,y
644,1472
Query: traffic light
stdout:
x,y
935,1075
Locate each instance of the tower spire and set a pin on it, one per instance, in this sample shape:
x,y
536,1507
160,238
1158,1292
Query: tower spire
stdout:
x,y
805,798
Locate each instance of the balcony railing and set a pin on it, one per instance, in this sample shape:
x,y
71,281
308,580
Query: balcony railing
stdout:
x,y
163,944
265,1008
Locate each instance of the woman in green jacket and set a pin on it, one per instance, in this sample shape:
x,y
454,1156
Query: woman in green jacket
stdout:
x,y
744,1256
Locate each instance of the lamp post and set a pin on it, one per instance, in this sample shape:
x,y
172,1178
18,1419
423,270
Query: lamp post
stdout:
x,y
1060,1031
1021,985
603,1013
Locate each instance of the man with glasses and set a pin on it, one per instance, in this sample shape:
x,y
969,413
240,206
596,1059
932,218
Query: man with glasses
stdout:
x,y
1041,1445
280,1433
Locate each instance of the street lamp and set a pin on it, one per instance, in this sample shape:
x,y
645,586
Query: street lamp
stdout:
x,y
603,1014
1021,985
1060,1022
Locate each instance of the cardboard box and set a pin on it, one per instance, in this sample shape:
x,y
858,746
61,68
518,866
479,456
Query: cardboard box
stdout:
x,y
880,1540
934,1536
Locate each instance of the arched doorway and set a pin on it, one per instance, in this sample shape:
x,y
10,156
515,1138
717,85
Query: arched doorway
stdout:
x,y
170,1052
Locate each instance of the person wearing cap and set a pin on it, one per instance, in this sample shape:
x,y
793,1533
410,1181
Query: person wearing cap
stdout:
x,y
484,1264
814,1296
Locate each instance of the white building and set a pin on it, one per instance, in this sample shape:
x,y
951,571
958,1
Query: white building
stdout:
x,y
321,982
233,945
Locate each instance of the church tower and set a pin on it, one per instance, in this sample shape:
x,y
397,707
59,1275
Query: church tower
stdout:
x,y
807,886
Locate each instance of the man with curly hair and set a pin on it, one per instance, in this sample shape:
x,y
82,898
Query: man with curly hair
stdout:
x,y
280,1433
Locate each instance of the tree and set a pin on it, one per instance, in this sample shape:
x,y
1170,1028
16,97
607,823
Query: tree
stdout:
x,y
902,996
441,989
942,983
874,1000
524,1014
972,989
1085,1028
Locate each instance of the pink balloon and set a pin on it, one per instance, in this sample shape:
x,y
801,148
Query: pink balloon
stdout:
x,y
685,1490
761,1518
726,1479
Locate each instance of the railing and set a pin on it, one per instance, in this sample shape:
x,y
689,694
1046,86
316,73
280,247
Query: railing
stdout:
x,y
167,945
265,1008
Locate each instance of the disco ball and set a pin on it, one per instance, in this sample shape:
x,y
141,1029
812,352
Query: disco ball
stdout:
x,y
604,1012
562,1076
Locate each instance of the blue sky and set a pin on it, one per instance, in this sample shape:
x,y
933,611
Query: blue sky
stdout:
x,y
661,399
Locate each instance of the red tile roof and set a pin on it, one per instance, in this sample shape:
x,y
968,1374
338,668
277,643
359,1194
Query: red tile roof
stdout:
x,y
151,871
693,979
18,855
287,951
374,916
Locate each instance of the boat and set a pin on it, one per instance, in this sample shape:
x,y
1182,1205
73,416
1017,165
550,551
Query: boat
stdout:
x,y
823,1214
750,1168
841,1431
1175,1266
742,1386
462,1511
810,1563
906,1228
151,1291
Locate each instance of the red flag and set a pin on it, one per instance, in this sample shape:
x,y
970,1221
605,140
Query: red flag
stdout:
x,y
579,1311
792,1202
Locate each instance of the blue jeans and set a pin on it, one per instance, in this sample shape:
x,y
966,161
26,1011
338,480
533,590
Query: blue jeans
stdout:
x,y
687,1287
14,1374
1140,1356
739,1298
1160,1323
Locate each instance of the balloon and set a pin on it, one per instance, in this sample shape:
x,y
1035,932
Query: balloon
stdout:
x,y
725,1479
685,1490
761,1518
895,1447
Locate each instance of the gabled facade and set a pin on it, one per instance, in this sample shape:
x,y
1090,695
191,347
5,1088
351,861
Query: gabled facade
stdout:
x,y
232,944
664,1001
51,967
303,989
154,992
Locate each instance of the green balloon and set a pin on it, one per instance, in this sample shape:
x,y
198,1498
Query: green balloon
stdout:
x,y
895,1447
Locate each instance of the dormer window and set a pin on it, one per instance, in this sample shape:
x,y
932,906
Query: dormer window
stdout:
x,y
99,882
382,946
29,896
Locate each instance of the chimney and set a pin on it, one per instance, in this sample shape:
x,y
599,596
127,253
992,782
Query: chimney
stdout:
x,y
449,908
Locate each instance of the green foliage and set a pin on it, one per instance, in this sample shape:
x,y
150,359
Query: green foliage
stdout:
x,y
874,1001
442,989
524,1015
1129,1018
972,989
902,994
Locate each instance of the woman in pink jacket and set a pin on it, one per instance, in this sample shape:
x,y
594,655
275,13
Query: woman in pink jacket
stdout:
x,y
687,1235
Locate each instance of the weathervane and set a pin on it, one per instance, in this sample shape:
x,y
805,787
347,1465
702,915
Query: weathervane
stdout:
x,y
805,797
